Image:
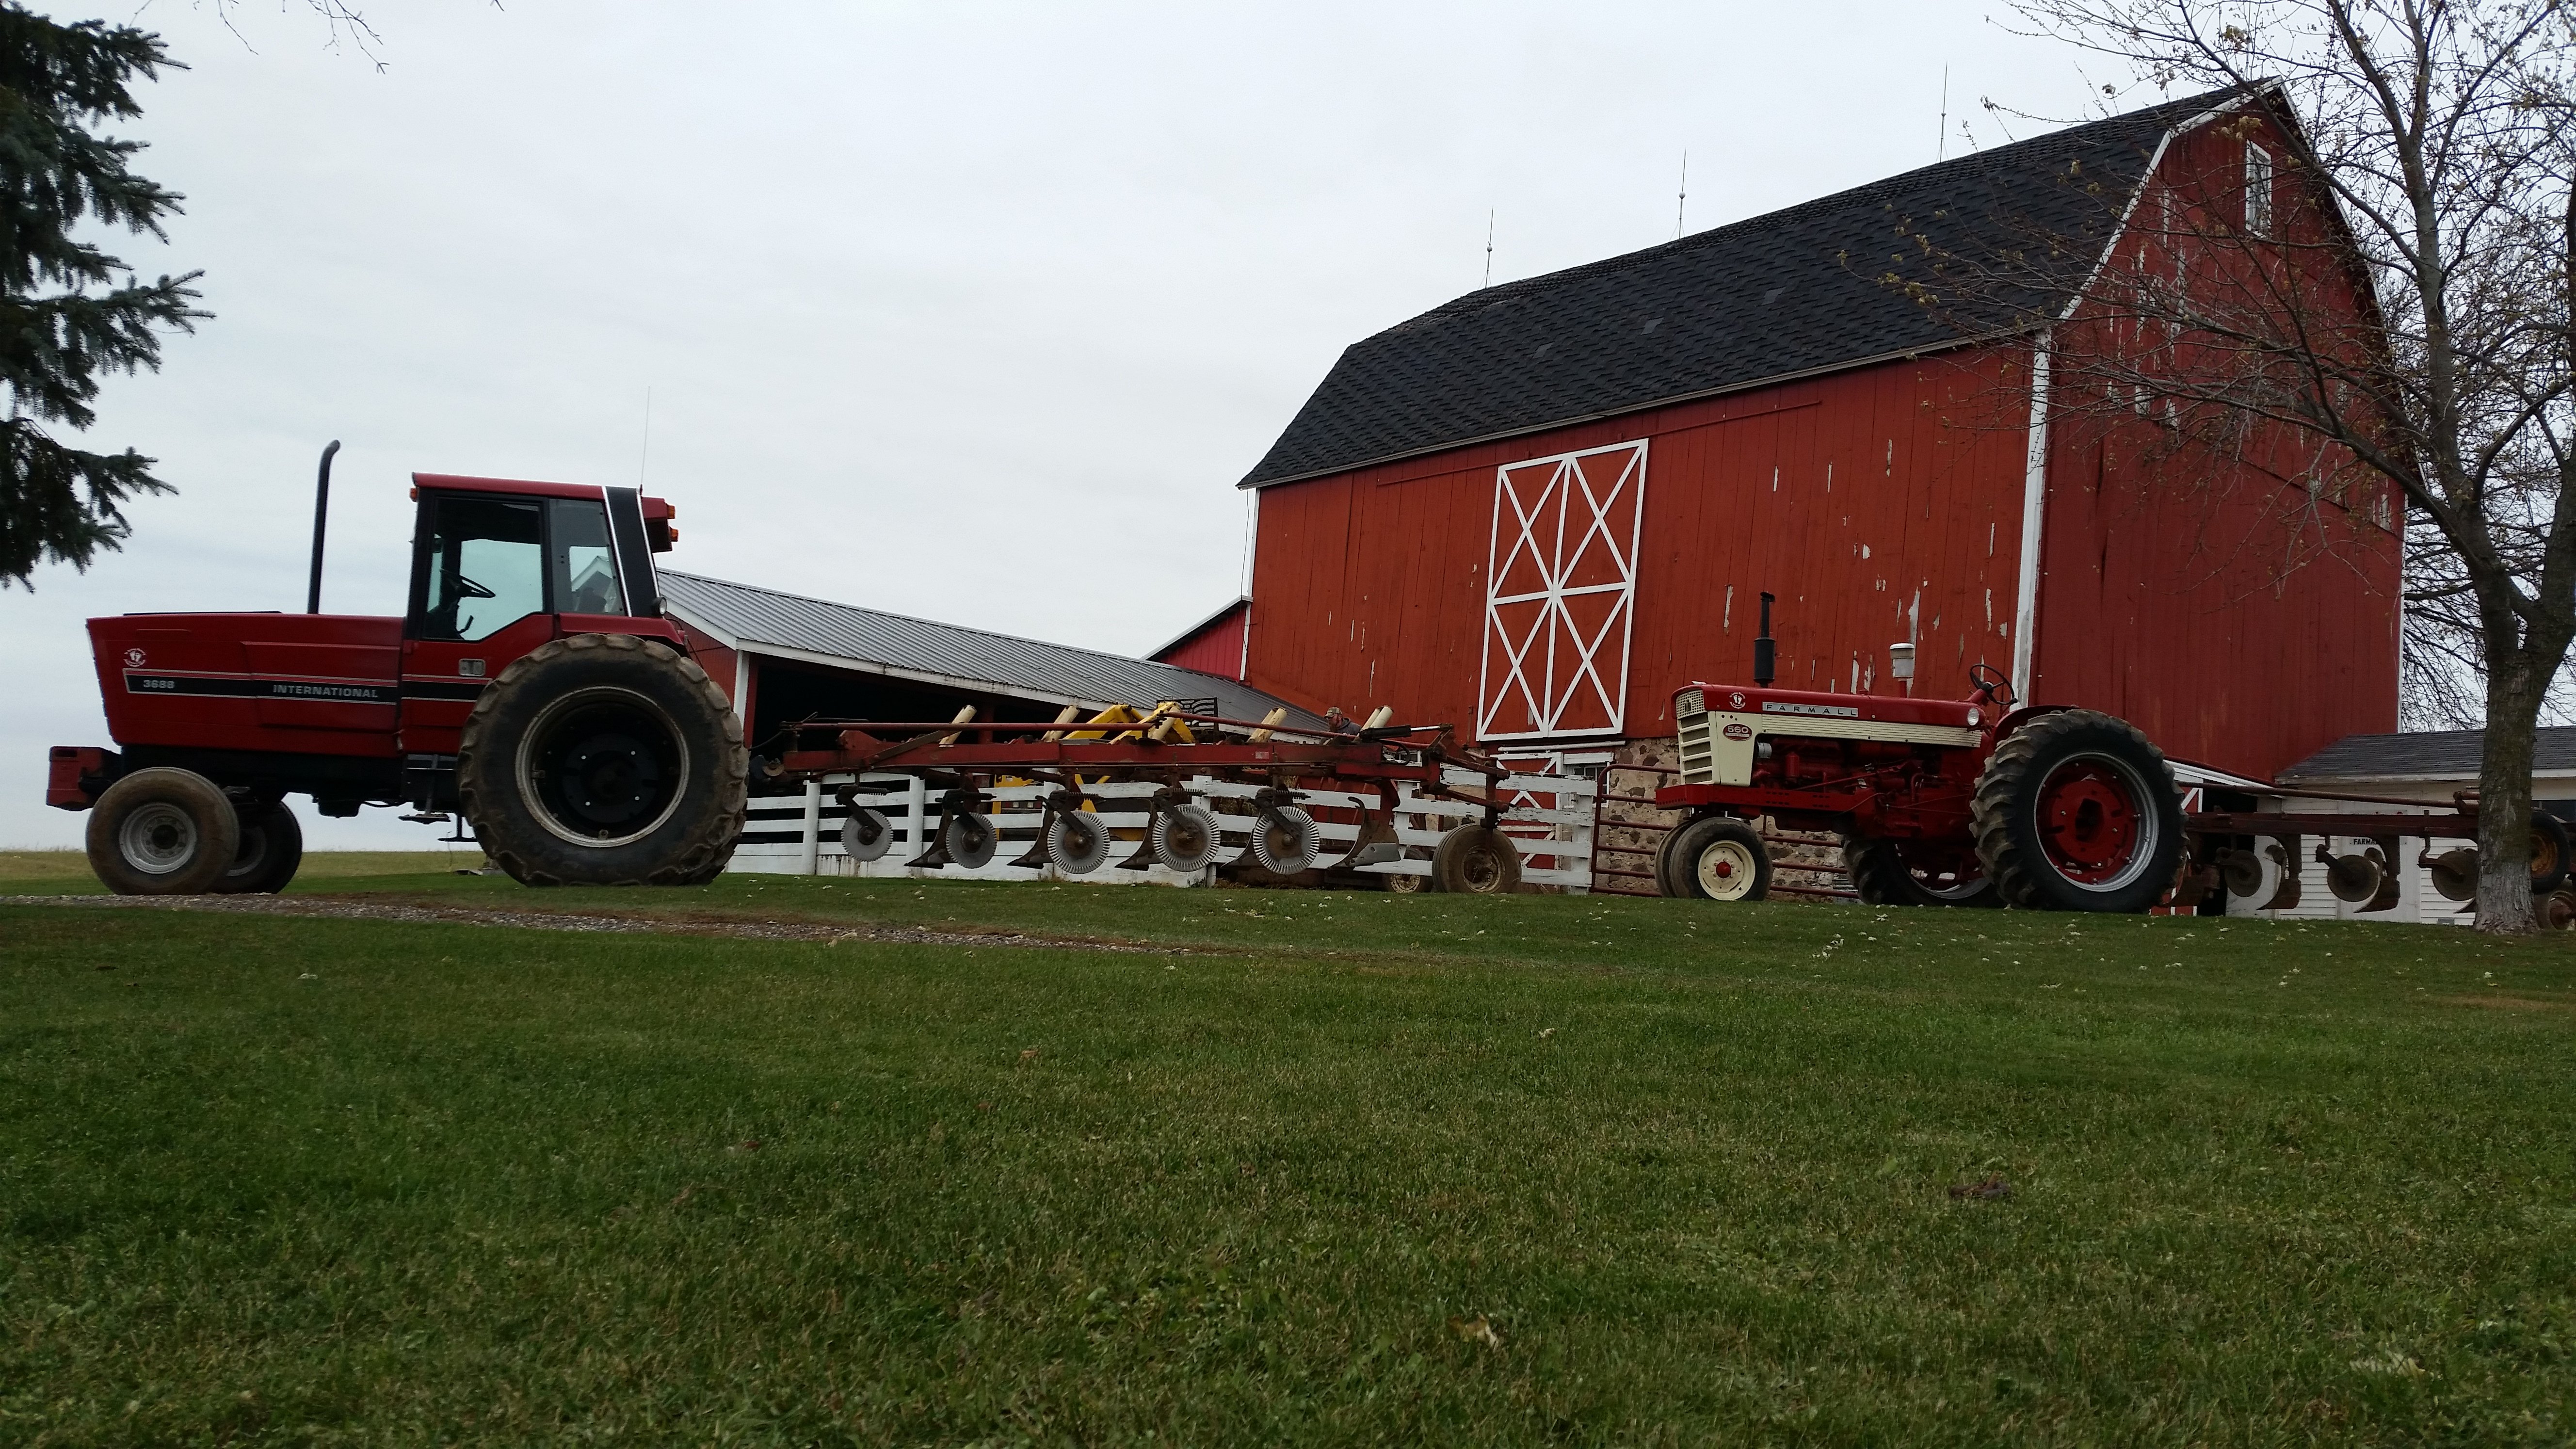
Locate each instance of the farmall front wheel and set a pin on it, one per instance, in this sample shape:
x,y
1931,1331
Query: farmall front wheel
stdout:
x,y
1912,873
604,759
1717,859
2077,811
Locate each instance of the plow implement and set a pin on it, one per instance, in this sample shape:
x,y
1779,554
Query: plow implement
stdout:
x,y
1135,790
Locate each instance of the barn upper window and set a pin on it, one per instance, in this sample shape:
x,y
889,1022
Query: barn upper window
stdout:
x,y
2258,190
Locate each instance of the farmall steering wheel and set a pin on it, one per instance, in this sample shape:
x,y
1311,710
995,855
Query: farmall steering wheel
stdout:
x,y
1990,683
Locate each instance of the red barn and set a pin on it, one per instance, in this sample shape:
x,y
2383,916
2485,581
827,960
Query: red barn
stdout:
x,y
1540,509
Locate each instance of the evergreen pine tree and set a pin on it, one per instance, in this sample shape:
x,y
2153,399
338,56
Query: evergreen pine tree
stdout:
x,y
69,312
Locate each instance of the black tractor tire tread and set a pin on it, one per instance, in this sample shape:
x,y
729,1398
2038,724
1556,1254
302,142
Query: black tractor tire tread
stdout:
x,y
710,845
2545,881
282,851
1881,878
219,830
2015,876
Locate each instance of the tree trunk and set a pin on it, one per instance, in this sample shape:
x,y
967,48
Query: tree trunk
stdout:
x,y
2504,801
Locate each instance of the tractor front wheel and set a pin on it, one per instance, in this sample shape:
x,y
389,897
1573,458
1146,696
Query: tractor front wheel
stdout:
x,y
163,832
1909,873
272,848
1717,858
2077,811
604,759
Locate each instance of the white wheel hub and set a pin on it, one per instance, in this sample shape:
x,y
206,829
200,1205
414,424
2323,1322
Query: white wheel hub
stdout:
x,y
1725,870
157,838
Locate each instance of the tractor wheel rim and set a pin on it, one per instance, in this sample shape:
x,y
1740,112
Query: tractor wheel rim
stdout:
x,y
2095,824
158,839
602,767
1482,870
1725,871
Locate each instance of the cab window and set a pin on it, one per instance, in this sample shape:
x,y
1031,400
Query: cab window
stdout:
x,y
584,562
483,568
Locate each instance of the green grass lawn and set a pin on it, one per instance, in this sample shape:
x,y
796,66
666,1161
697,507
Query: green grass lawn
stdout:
x,y
1356,1167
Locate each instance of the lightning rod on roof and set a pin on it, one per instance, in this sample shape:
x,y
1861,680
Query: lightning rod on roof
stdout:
x,y
1681,204
1489,246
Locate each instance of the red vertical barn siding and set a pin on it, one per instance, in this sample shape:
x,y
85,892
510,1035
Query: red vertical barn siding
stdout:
x,y
2239,617
1369,586
2179,609
1216,647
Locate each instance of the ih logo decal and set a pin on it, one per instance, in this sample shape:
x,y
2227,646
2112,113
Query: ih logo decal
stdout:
x,y
1560,593
133,658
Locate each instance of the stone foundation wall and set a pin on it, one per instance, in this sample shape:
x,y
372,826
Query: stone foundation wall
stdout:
x,y
1804,866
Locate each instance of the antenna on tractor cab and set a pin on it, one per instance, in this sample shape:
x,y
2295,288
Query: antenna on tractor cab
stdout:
x,y
1764,651
321,512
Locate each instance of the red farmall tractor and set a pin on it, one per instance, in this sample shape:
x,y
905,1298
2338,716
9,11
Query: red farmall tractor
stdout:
x,y
1988,802
1973,803
532,686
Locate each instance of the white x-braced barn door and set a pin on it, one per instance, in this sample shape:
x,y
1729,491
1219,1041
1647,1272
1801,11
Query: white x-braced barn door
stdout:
x,y
1560,593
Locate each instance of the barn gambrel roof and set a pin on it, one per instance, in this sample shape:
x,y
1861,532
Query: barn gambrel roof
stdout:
x,y
1764,300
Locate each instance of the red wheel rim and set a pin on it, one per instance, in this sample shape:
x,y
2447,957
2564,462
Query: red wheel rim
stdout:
x,y
2093,822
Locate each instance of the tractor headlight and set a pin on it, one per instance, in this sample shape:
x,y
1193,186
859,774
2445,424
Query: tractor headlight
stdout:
x,y
1975,717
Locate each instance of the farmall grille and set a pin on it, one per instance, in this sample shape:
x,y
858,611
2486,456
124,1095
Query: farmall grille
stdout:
x,y
1699,754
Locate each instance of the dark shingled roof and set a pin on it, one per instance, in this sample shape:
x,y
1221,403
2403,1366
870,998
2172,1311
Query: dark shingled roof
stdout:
x,y
1796,291
2428,754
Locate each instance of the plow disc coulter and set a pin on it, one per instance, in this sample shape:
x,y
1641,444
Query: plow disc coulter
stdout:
x,y
1197,773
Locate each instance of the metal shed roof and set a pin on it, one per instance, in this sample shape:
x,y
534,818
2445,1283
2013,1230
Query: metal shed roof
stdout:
x,y
874,642
2425,755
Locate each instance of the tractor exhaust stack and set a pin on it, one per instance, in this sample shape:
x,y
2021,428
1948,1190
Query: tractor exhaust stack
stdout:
x,y
1764,652
321,512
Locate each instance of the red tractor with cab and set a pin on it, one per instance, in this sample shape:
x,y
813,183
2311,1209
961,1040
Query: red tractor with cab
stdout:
x,y
1976,802
532,686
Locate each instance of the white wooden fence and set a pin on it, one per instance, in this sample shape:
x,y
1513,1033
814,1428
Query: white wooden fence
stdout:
x,y
1549,817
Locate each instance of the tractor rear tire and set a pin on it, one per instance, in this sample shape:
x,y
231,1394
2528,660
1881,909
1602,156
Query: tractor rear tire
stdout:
x,y
272,847
2548,852
1476,860
163,832
1883,877
1718,858
2077,811
604,759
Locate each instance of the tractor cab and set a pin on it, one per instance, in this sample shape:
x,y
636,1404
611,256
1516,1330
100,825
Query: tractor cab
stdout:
x,y
500,567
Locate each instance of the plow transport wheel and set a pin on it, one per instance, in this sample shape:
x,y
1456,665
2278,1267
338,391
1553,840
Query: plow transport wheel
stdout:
x,y
1717,858
1475,861
2077,811
604,759
1883,873
163,832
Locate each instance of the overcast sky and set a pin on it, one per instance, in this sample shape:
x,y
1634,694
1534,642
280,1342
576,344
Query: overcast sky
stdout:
x,y
970,311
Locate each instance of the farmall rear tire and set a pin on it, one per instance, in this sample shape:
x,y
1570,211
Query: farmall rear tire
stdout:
x,y
271,850
1718,858
1883,876
2077,811
163,832
1476,860
604,759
